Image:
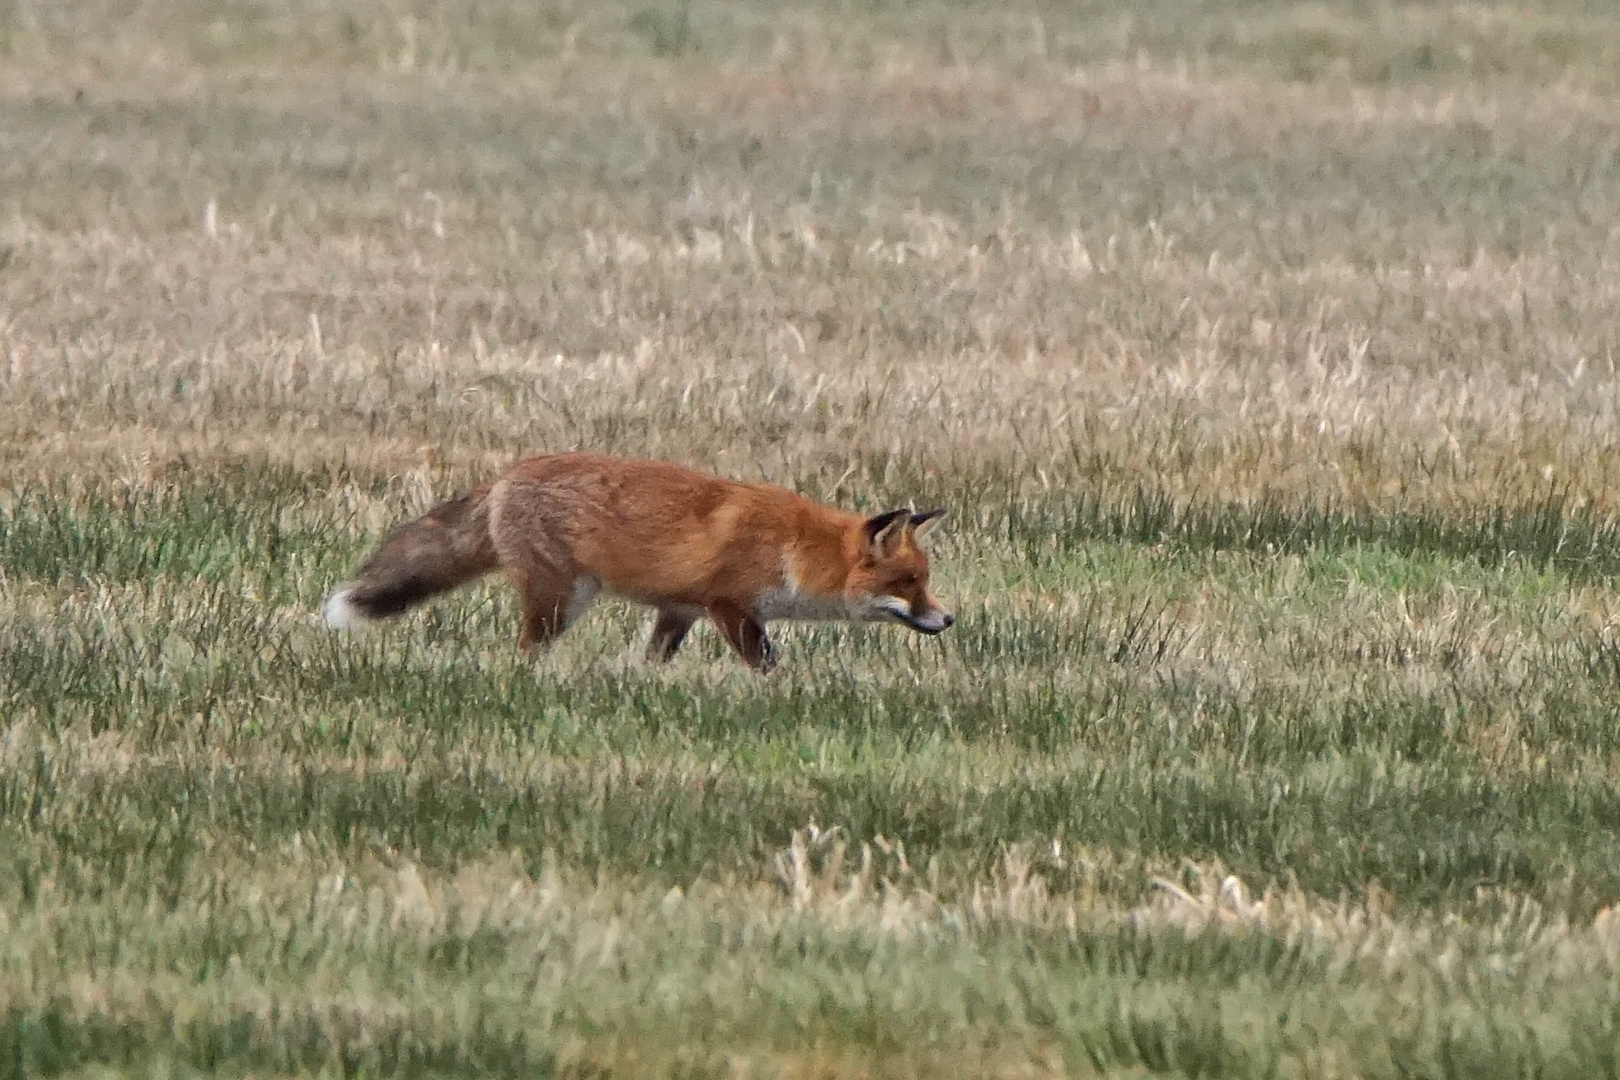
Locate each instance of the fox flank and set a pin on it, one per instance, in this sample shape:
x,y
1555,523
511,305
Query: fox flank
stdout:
x,y
566,527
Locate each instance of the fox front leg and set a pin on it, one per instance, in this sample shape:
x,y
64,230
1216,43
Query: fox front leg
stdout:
x,y
745,633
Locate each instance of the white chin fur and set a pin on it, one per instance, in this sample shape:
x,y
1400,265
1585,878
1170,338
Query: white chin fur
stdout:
x,y
340,612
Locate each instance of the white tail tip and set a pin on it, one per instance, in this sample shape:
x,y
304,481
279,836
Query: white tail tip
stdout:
x,y
340,611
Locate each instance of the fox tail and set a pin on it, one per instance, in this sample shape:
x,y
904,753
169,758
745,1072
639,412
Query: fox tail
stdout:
x,y
448,546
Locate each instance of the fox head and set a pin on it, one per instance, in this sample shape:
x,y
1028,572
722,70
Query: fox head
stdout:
x,y
890,578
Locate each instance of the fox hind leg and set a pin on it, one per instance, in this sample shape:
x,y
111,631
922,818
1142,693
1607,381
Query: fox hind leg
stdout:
x,y
551,603
745,633
545,610
668,633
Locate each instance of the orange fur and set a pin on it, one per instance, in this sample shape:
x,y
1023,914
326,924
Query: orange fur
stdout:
x,y
566,526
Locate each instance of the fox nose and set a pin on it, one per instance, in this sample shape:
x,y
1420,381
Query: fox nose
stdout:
x,y
948,619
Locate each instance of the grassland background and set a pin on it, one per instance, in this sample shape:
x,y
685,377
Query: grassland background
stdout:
x,y
1263,354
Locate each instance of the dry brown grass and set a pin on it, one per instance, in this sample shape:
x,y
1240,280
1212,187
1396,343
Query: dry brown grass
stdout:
x,y
1302,290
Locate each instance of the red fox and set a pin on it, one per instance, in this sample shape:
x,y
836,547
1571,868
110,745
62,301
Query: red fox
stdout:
x,y
565,527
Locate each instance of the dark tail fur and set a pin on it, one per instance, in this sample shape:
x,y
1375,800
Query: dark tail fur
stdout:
x,y
448,546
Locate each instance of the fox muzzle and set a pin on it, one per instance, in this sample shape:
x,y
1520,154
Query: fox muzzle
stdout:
x,y
932,622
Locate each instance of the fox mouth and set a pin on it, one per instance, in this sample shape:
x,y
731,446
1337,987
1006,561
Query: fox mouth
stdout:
x,y
934,623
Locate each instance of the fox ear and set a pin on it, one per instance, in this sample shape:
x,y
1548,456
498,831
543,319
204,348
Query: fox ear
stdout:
x,y
922,524
882,529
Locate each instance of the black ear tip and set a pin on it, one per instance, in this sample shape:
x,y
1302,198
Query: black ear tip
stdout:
x,y
927,515
878,522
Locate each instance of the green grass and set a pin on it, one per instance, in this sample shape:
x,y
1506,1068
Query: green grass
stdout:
x,y
168,627
1372,43
211,805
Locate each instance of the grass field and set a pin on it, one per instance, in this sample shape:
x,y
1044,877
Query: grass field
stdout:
x,y
1263,354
